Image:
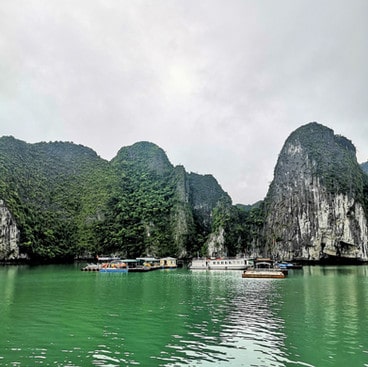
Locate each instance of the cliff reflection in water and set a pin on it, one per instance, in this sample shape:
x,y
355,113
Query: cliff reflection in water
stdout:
x,y
7,288
325,313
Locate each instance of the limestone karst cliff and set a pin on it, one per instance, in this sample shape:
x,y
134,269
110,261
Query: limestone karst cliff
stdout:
x,y
60,200
364,167
65,201
316,206
9,234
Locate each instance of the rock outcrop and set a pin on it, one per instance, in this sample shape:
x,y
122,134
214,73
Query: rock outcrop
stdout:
x,y
364,167
181,215
316,204
9,235
205,194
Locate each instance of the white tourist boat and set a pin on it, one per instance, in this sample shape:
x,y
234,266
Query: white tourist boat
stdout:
x,y
220,264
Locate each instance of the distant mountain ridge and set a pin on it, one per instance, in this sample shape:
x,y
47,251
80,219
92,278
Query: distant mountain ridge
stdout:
x,y
61,200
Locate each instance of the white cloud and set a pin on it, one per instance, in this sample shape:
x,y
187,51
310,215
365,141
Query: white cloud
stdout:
x,y
218,85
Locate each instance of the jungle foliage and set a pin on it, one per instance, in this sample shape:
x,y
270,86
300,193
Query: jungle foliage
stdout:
x,y
53,190
67,202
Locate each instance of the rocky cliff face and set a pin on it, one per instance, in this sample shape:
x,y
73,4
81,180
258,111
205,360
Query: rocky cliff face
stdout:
x,y
204,195
69,202
9,235
190,198
316,204
364,167
181,215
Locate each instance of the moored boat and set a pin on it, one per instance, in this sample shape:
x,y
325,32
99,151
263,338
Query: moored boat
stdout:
x,y
107,264
220,264
168,263
142,264
286,265
115,266
91,267
264,268
102,262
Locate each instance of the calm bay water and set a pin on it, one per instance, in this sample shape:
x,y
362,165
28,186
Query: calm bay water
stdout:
x,y
60,316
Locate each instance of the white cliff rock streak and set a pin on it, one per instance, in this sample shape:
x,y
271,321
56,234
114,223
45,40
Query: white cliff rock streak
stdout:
x,y
9,234
305,220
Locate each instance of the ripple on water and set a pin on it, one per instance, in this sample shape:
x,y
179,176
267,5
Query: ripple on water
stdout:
x,y
237,328
183,319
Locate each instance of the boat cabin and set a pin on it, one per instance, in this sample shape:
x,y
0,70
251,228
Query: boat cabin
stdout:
x,y
263,263
148,261
168,263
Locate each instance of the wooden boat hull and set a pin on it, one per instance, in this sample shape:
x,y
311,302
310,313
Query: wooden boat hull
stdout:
x,y
263,274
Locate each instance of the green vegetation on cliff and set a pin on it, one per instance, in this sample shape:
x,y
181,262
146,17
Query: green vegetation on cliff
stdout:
x,y
69,202
334,161
53,191
313,208
334,157
136,221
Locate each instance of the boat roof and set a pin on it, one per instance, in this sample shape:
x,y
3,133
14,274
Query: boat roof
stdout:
x,y
147,258
130,260
263,259
263,263
107,258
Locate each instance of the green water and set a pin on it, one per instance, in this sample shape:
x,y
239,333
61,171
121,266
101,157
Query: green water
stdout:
x,y
60,316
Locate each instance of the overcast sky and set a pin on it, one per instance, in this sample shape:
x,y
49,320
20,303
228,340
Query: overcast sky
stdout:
x,y
218,84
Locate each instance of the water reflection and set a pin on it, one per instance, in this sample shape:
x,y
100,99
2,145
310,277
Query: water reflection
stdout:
x,y
63,317
8,275
330,320
238,325
258,331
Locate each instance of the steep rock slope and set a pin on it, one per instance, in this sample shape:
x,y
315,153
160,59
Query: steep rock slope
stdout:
x,y
52,190
210,206
172,208
139,210
316,206
181,215
364,167
60,200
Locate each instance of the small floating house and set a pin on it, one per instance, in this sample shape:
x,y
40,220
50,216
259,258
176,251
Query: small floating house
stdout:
x,y
168,263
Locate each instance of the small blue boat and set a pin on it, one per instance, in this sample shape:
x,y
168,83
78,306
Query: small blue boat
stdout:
x,y
115,266
285,265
